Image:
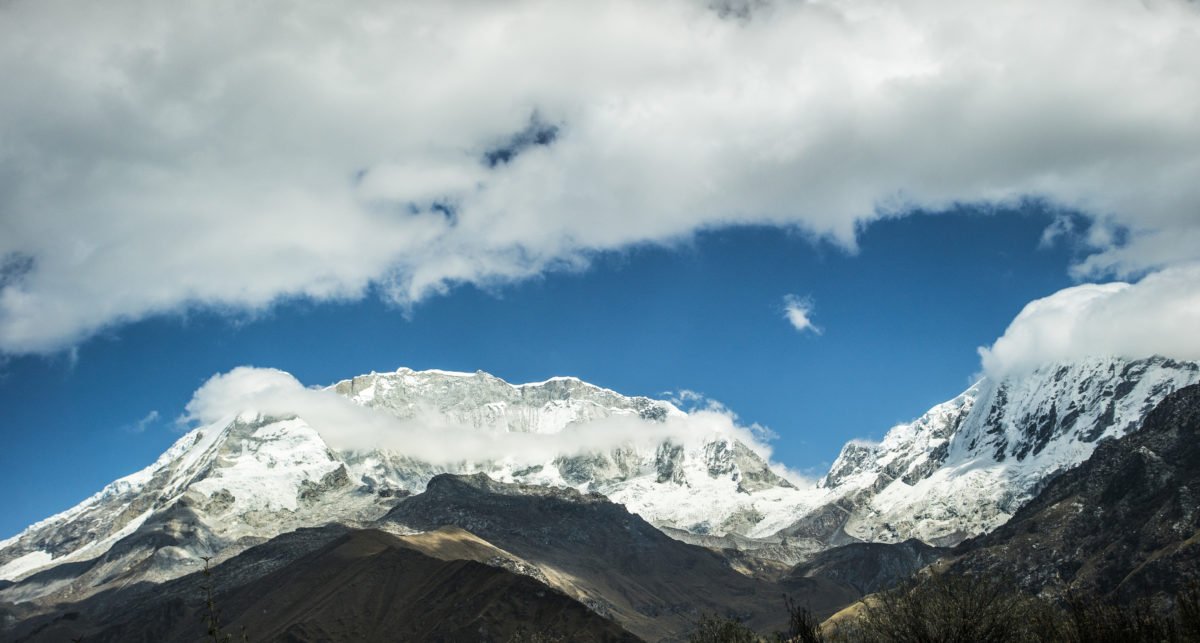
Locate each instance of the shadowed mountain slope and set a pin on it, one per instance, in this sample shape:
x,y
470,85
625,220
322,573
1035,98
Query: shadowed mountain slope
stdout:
x,y
610,559
1124,525
867,567
364,585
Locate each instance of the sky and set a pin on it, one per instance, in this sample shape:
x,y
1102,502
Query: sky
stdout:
x,y
900,323
827,215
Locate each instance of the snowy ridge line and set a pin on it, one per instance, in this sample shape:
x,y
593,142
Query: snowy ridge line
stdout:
x,y
403,370
960,469
967,465
125,484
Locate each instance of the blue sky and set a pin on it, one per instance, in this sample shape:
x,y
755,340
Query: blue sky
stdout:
x,y
901,320
627,192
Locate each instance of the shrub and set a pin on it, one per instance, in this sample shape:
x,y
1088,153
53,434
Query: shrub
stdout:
x,y
803,625
947,609
966,609
523,635
715,629
1187,612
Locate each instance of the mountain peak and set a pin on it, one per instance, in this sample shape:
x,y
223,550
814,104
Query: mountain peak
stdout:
x,y
965,466
1136,538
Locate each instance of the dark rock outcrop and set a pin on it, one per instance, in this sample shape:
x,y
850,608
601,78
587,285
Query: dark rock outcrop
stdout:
x,y
335,585
867,567
1124,525
653,585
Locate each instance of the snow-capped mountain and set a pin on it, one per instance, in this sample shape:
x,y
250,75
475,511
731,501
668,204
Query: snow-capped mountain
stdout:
x,y
965,466
246,478
216,491
713,483
961,469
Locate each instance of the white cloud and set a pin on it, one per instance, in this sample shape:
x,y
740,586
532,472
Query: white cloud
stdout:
x,y
803,479
685,399
798,312
430,436
141,425
160,156
1159,315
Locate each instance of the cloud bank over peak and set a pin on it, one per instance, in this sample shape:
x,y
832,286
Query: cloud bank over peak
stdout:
x,y
155,157
430,436
1158,315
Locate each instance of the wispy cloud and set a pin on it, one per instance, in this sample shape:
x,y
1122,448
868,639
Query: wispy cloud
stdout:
x,y
798,311
803,479
692,401
685,399
141,425
432,436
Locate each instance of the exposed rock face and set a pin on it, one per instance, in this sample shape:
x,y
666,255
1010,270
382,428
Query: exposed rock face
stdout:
x,y
1125,524
967,465
653,585
868,567
555,560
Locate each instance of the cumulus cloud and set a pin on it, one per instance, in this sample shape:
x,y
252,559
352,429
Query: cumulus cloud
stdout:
x,y
431,436
798,312
160,156
1159,315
